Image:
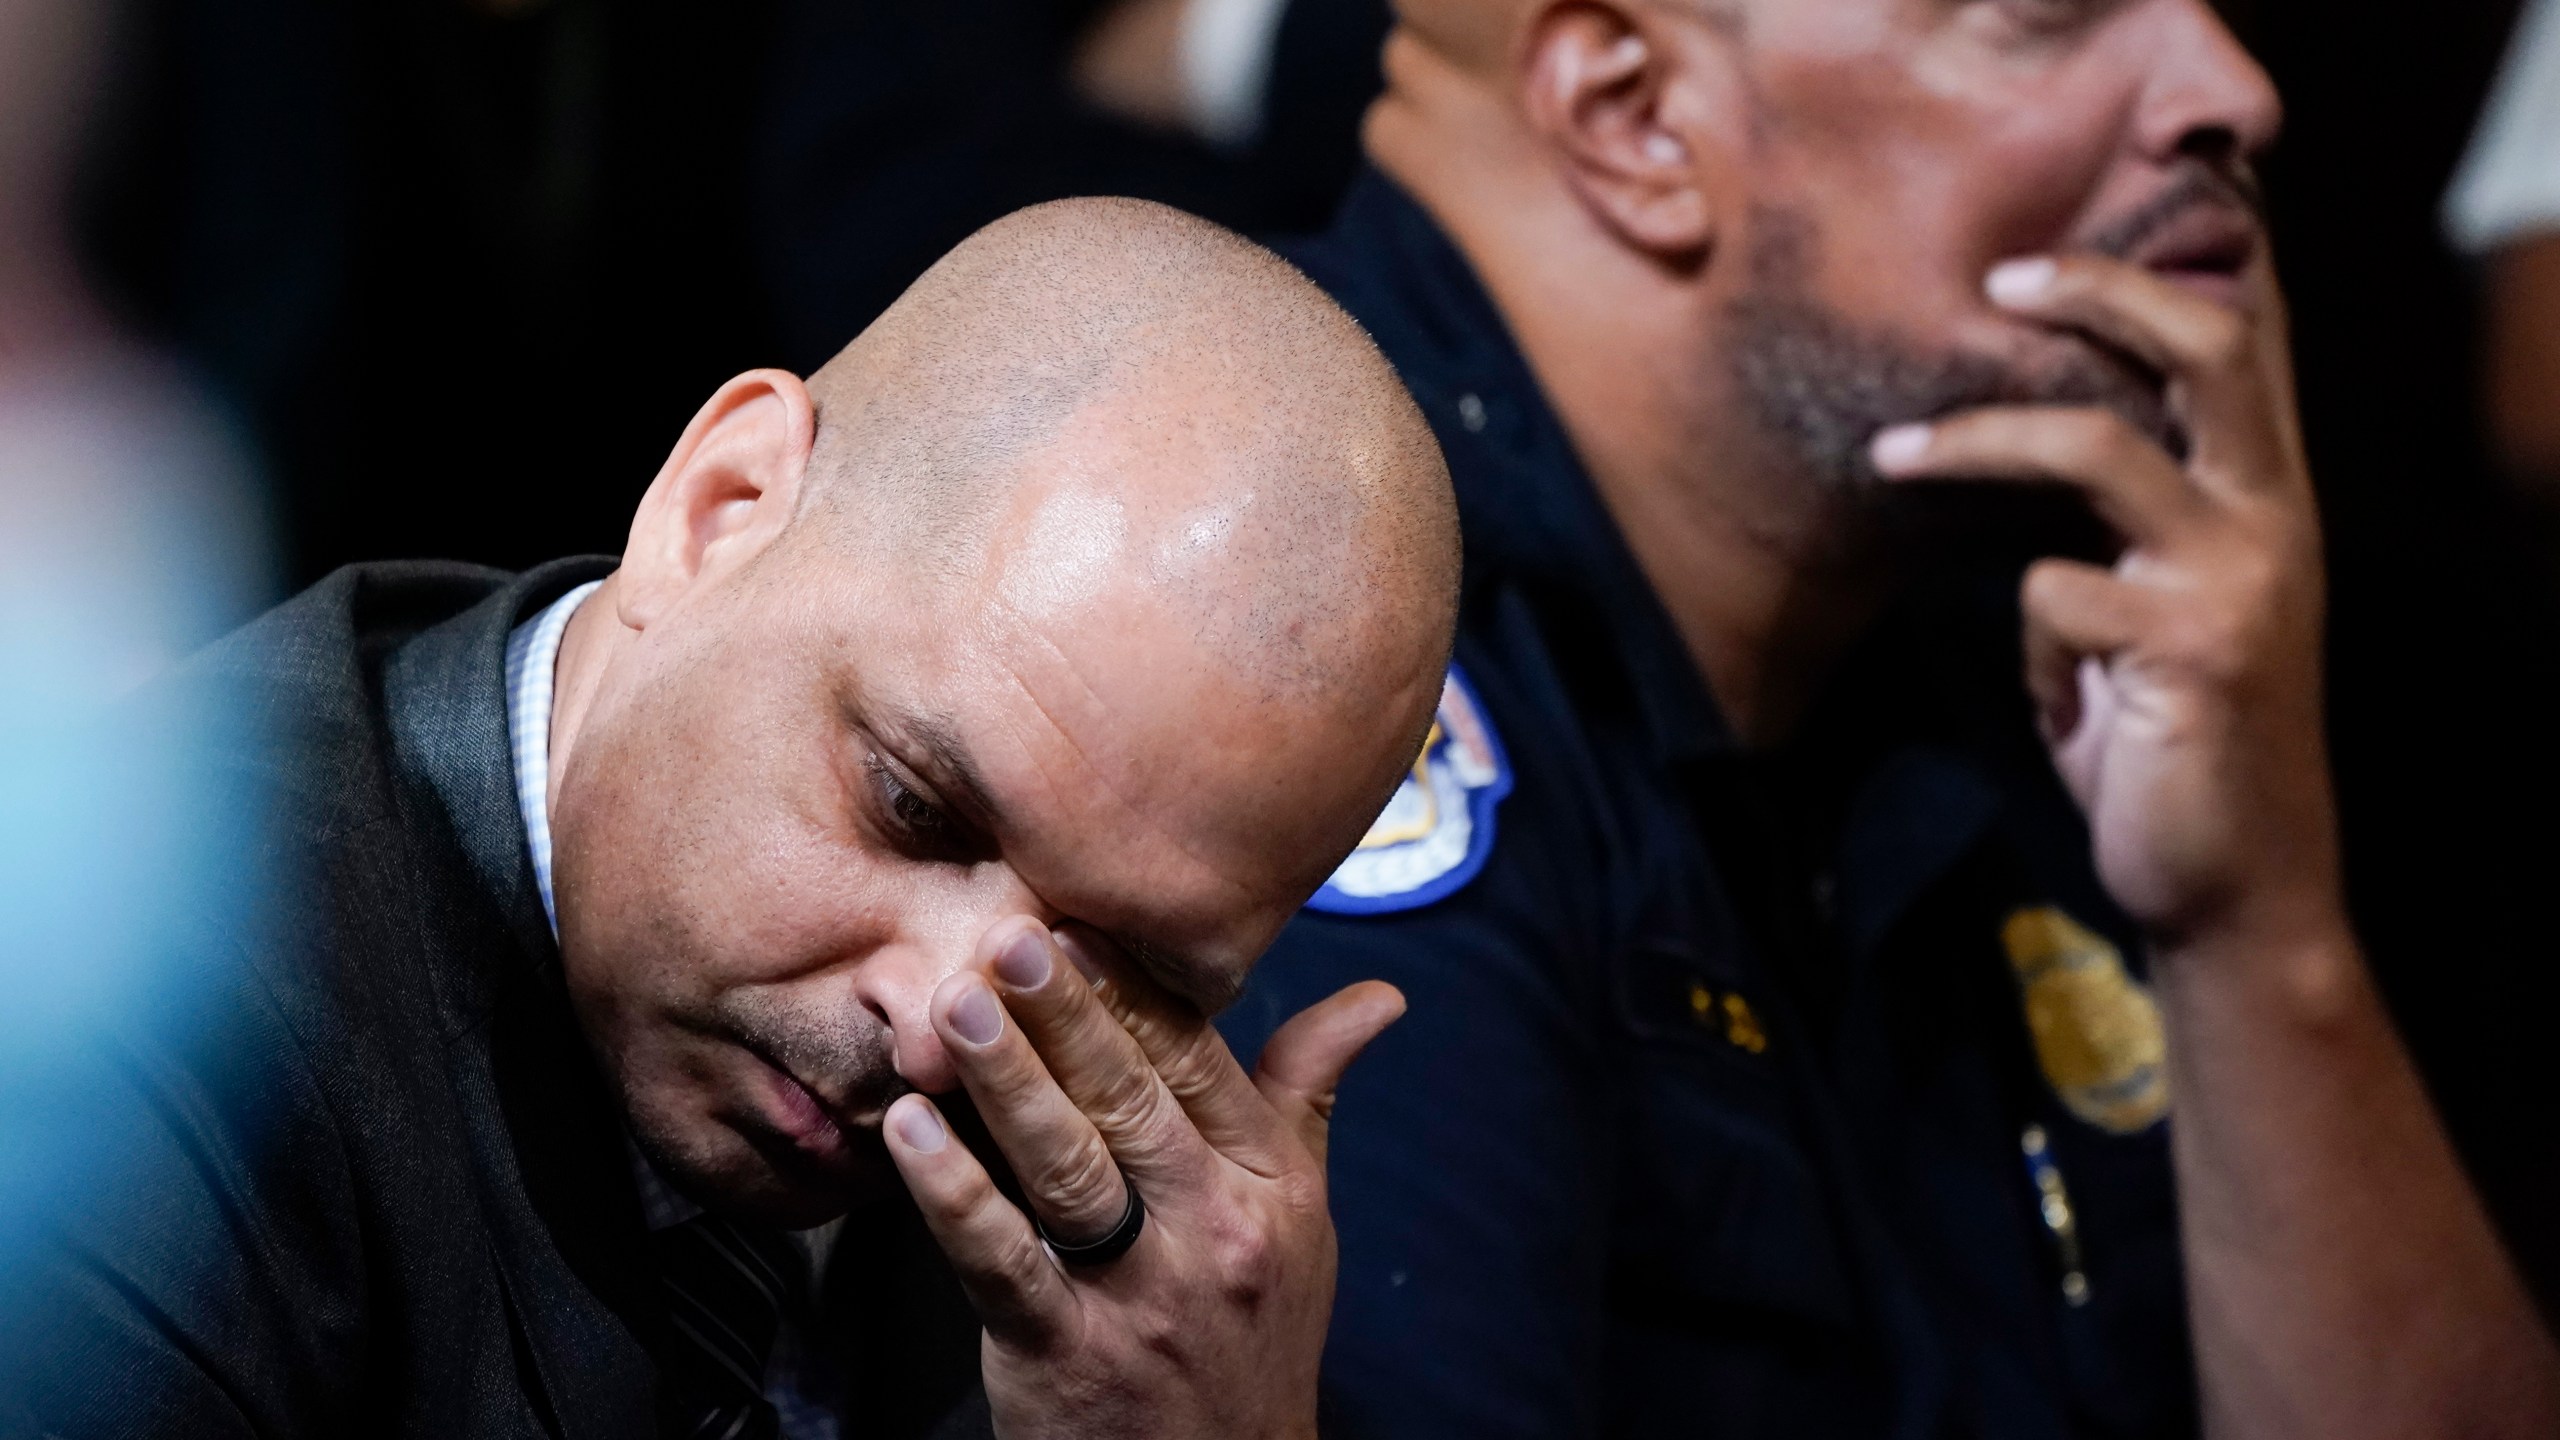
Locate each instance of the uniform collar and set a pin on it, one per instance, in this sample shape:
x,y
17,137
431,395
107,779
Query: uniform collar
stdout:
x,y
1909,752
1533,520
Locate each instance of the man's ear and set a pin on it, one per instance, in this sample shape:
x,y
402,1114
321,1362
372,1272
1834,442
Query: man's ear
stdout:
x,y
1597,77
725,493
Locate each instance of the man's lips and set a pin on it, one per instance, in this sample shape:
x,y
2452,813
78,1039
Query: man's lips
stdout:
x,y
805,1115
2208,249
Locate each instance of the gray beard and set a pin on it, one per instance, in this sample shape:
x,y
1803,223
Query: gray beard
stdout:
x,y
1819,385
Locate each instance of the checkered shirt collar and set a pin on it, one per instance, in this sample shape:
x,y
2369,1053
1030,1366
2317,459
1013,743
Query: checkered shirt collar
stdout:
x,y
533,653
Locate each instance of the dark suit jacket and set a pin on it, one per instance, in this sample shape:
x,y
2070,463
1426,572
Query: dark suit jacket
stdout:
x,y
359,1175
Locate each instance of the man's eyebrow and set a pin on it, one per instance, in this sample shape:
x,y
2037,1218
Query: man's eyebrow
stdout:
x,y
1189,977
951,766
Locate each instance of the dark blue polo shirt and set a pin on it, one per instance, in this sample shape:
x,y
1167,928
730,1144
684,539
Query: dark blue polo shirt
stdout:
x,y
1812,1091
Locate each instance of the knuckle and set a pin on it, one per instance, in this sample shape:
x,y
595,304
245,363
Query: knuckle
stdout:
x,y
1123,1098
1131,1109
1016,1256
1249,1291
1162,1335
1082,1184
959,1193
2223,340
973,1199
2094,440
2036,586
2048,583
1193,1064
1248,1260
1014,1092
1145,1024
2255,578
1302,1192
995,1242
2214,642
1004,1073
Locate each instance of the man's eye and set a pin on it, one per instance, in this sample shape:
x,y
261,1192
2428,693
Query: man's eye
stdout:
x,y
2049,15
924,824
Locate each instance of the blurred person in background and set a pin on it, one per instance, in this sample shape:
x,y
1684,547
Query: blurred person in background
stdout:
x,y
2444,614
448,259
370,225
1813,1029
129,534
892,130
2504,210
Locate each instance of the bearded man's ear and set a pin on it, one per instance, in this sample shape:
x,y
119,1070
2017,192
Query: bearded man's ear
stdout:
x,y
1598,87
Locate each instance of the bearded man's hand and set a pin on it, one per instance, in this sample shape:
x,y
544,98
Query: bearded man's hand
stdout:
x,y
2180,688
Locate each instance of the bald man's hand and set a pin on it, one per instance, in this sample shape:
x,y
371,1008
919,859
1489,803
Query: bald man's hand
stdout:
x,y
1213,1322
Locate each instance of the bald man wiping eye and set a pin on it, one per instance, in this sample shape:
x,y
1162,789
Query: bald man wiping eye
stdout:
x,y
955,732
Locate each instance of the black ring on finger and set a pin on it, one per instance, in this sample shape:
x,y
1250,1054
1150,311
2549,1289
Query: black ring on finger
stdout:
x,y
1110,1247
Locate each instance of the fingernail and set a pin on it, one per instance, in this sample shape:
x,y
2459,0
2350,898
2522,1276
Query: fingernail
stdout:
x,y
2019,282
919,1129
1077,956
1899,447
1024,962
976,1017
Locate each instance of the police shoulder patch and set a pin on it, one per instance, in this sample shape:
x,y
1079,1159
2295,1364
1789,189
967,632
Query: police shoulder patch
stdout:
x,y
1435,833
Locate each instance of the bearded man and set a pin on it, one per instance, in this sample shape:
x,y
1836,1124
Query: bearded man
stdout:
x,y
1815,1031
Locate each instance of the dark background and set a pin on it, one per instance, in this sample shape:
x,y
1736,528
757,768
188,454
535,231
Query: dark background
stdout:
x,y
2443,643
465,274
466,267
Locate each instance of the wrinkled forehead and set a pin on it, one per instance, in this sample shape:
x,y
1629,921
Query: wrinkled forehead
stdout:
x,y
1132,774
1117,769
1135,651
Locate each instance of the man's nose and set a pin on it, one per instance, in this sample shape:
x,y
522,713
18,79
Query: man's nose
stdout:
x,y
2208,93
898,984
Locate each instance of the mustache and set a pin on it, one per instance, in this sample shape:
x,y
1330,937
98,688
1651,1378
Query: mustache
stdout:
x,y
846,1057
2199,183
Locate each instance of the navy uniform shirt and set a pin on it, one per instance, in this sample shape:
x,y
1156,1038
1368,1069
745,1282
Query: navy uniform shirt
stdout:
x,y
1812,1091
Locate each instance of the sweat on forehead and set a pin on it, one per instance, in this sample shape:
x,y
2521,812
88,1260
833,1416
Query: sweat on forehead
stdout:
x,y
1058,308
1105,393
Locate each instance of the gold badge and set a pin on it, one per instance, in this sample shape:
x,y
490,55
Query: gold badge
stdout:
x,y
2097,1030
